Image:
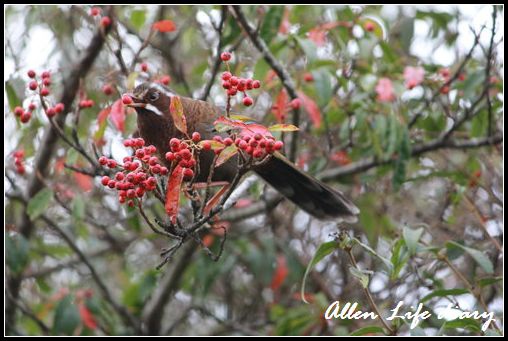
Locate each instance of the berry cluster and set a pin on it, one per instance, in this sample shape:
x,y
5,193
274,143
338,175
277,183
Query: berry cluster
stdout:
x,y
19,156
138,174
234,84
86,103
182,155
257,145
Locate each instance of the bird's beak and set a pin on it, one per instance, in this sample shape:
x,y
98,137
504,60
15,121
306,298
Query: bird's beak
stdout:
x,y
136,101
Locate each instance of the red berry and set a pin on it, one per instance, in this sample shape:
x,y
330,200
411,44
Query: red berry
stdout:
x,y
25,117
258,136
46,74
278,145
256,84
217,138
103,160
191,163
226,85
140,142
242,85
140,153
225,56
445,90
95,11
234,81
156,169
31,73
19,154
18,111
169,156
89,103
119,176
127,143
50,112
151,181
188,173
112,164
105,21
369,26
295,103
32,85
258,153
153,161
107,89
32,106
152,149
243,145
131,193
226,75
196,137
144,67
206,145
185,154
253,143
228,141
174,143
247,101
126,99
130,203
232,92
127,158
140,192
59,107
105,180
46,81
165,80
164,171
111,183
308,77
20,169
44,91
121,199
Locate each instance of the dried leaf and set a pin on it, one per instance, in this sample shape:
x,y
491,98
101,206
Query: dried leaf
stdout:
x,y
177,114
283,127
226,154
215,199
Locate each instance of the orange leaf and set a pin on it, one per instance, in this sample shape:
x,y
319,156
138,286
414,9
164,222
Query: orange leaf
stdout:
x,y
84,181
215,199
312,109
176,109
117,115
87,317
173,193
280,273
164,26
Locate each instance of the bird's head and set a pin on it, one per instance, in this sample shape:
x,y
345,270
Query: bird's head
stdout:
x,y
151,98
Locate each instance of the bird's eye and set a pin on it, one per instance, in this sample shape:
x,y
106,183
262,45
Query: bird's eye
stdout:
x,y
153,96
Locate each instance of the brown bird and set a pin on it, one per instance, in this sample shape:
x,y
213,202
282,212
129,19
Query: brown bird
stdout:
x,y
155,124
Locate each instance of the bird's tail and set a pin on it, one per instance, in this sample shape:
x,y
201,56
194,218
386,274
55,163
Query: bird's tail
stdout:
x,y
308,193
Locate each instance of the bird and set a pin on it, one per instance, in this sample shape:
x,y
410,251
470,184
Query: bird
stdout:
x,y
151,102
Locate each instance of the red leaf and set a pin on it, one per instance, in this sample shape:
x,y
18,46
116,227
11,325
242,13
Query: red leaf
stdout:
x,y
103,115
224,123
280,273
208,240
84,181
312,108
87,317
279,109
173,193
164,26
59,165
341,158
285,24
176,109
117,115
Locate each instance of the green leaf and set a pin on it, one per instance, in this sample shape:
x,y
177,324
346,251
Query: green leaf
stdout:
x,y
131,80
368,330
16,252
466,323
308,47
488,281
138,18
412,236
361,275
78,208
39,203
372,252
271,23
404,151
480,258
399,258
473,83
322,81
66,318
324,250
12,97
444,293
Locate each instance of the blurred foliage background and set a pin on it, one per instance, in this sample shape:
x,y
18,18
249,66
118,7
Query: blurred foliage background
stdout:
x,y
422,162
